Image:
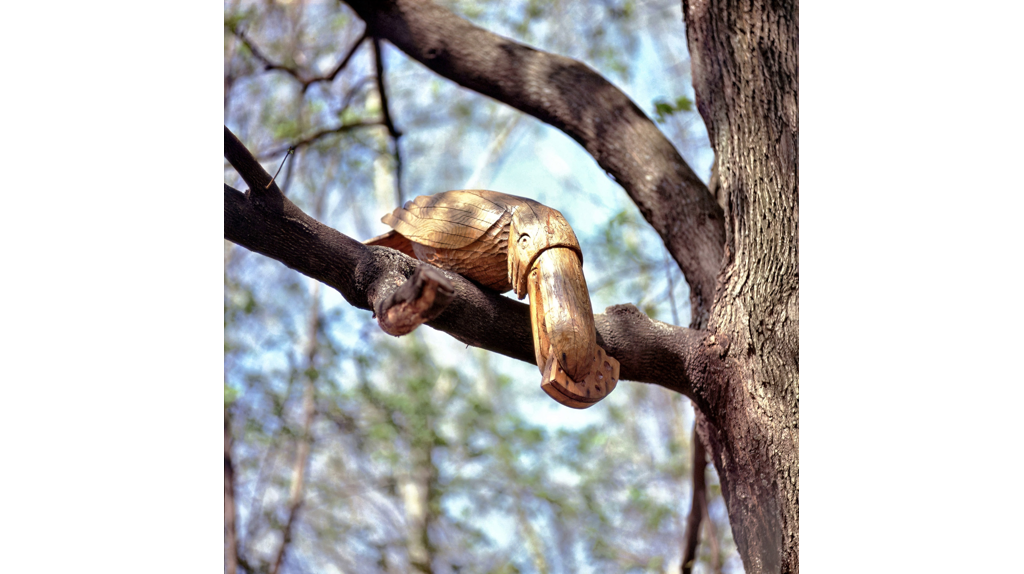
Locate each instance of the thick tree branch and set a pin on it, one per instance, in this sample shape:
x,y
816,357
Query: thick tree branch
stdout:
x,y
577,100
261,183
266,222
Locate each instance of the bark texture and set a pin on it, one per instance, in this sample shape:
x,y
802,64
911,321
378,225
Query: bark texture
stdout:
x,y
745,73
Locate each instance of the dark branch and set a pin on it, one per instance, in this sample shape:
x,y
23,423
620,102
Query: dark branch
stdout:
x,y
230,527
268,64
702,427
647,350
353,91
313,138
341,65
577,100
260,183
285,159
300,75
712,538
385,108
698,503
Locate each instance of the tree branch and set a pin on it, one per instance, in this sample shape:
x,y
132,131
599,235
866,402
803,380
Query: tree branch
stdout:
x,y
698,503
300,75
712,537
577,100
265,221
385,108
230,527
268,64
341,65
313,138
263,189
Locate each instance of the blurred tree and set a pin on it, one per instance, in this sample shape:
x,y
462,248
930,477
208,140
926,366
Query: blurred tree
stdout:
x,y
346,450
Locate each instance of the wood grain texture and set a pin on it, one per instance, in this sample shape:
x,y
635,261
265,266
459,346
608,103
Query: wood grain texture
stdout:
x,y
483,261
576,372
597,385
561,313
508,242
451,220
394,240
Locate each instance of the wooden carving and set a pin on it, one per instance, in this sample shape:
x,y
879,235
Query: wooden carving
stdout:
x,y
507,243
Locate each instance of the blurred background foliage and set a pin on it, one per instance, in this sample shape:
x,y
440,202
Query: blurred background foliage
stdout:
x,y
357,452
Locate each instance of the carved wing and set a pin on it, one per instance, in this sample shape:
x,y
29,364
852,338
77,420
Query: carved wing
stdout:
x,y
394,240
465,231
449,220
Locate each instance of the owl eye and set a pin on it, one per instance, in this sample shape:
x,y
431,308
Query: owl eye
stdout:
x,y
524,240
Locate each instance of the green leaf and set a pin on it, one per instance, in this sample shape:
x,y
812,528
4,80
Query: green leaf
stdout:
x,y
663,108
230,395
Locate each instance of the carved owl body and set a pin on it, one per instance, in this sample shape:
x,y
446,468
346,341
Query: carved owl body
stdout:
x,y
505,242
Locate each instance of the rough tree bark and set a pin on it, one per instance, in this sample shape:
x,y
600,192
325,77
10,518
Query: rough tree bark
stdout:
x,y
745,75
739,360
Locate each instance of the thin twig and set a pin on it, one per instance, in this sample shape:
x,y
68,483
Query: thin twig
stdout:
x,y
341,65
268,64
352,91
313,138
230,527
291,150
712,536
300,75
395,134
288,175
697,504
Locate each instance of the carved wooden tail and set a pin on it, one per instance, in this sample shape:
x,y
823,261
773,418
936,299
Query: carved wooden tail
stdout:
x,y
576,372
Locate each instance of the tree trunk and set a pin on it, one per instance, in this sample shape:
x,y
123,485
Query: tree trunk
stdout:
x,y
745,73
